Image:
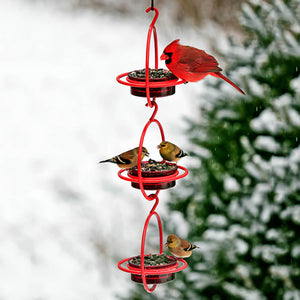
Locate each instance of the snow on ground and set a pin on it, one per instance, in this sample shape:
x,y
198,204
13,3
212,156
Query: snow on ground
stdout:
x,y
64,219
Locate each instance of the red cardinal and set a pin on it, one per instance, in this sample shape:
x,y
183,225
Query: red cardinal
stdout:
x,y
192,64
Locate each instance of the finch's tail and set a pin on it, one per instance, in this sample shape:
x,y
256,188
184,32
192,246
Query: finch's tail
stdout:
x,y
112,160
220,75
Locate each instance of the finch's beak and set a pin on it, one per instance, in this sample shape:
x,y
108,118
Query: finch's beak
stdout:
x,y
158,146
166,244
164,57
147,154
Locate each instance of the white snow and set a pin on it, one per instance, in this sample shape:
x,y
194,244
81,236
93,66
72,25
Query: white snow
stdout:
x,y
294,160
215,235
283,101
292,294
254,86
231,185
216,221
65,221
295,84
253,170
226,114
235,209
268,253
243,293
266,143
273,235
241,247
296,251
279,165
294,117
267,121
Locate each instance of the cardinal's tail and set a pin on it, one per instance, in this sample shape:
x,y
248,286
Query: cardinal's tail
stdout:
x,y
220,75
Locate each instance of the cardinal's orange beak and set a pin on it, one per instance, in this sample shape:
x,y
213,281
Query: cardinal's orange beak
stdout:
x,y
164,57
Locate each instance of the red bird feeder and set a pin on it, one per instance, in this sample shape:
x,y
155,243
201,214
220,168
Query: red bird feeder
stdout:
x,y
153,180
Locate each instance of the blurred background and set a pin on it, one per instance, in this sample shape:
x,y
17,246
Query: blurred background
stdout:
x,y
66,221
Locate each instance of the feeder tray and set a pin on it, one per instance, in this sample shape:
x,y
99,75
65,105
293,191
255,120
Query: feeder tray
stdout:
x,y
153,262
153,180
155,76
152,169
154,274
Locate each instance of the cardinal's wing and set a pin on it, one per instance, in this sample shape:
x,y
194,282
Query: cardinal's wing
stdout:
x,y
198,61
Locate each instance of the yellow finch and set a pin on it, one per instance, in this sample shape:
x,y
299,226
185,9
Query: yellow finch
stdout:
x,y
128,159
170,152
179,247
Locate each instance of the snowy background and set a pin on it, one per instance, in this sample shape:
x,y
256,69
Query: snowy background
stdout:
x,y
65,221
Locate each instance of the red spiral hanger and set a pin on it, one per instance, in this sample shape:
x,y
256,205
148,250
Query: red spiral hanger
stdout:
x,y
144,274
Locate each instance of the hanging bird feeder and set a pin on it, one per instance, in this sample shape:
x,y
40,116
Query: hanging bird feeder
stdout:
x,y
151,83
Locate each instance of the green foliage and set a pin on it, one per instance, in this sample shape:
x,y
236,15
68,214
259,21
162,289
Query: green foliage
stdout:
x,y
241,200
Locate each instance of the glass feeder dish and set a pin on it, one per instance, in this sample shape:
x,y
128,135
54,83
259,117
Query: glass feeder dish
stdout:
x,y
155,169
169,262
154,180
155,76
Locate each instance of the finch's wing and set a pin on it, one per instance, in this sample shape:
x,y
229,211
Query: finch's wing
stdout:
x,y
121,160
126,157
187,246
184,244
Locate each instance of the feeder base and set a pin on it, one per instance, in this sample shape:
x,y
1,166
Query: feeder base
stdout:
x,y
154,92
153,279
154,186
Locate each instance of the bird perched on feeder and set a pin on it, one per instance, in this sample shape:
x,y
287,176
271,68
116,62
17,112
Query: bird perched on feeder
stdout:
x,y
192,64
170,152
179,247
128,159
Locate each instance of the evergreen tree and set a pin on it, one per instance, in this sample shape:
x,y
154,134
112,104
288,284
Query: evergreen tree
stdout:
x,y
241,200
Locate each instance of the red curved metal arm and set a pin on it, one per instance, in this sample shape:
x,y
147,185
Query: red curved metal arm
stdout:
x,y
151,120
151,28
152,212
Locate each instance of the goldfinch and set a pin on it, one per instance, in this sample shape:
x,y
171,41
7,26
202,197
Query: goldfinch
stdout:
x,y
179,247
170,152
128,159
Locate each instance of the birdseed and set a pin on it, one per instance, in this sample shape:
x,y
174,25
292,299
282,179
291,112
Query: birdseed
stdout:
x,y
153,165
152,260
153,73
